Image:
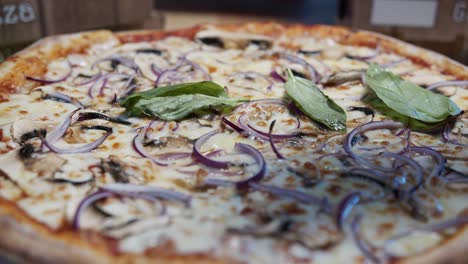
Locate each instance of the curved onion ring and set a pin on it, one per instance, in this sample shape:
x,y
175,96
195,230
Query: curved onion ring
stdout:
x,y
446,134
85,203
438,158
140,149
418,170
204,159
273,147
256,155
364,128
345,206
232,125
61,128
364,246
60,97
276,76
90,80
314,75
149,193
81,149
44,81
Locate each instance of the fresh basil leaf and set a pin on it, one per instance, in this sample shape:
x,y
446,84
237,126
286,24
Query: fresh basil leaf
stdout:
x,y
315,104
408,98
177,107
205,87
412,123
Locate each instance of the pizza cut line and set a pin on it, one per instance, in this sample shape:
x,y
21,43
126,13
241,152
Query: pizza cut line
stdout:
x,y
239,146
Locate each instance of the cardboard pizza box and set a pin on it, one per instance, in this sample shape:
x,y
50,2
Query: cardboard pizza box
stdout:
x,y
19,21
440,25
24,21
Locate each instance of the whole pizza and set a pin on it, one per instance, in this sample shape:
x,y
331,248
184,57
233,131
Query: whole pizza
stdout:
x,y
250,143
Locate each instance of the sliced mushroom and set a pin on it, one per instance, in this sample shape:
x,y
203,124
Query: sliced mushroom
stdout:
x,y
344,77
24,129
233,40
116,168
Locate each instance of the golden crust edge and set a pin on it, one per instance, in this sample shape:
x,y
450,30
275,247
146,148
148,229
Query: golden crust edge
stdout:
x,y
451,251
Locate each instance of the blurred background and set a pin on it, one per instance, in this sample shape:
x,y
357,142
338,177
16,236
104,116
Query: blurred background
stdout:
x,y
440,25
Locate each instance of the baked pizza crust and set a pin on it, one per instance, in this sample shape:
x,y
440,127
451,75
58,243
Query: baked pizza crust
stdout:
x,y
24,237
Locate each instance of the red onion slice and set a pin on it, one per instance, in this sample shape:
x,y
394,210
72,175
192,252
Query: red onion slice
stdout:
x,y
257,176
436,156
140,149
166,74
243,125
364,246
276,76
437,227
111,190
417,169
272,144
447,132
60,97
447,83
156,70
85,203
344,208
233,126
81,149
203,158
273,136
348,147
90,80
197,67
314,75
61,128
49,81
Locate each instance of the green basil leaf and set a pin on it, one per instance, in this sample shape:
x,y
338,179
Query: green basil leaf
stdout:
x,y
177,107
315,104
408,98
205,87
412,123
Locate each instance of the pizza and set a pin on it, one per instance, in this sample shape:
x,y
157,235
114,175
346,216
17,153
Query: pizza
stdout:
x,y
247,143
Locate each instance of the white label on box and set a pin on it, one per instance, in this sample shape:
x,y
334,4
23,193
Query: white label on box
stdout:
x,y
416,13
